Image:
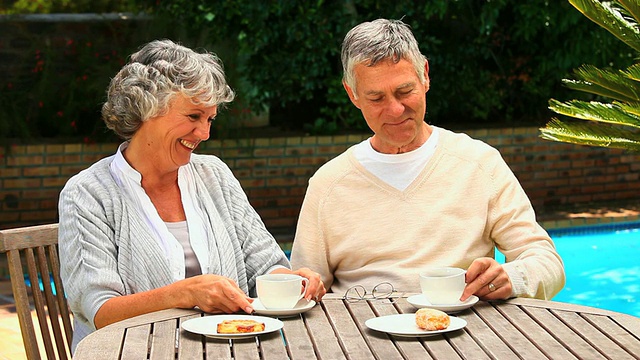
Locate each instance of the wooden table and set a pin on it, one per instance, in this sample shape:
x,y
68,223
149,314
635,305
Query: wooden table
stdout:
x,y
334,329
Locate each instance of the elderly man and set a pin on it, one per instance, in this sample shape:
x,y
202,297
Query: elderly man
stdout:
x,y
415,195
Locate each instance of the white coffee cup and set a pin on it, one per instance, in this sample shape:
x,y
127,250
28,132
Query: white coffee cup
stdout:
x,y
280,291
442,285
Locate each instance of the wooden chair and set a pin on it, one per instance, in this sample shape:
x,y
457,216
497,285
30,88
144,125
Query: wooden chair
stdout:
x,y
37,247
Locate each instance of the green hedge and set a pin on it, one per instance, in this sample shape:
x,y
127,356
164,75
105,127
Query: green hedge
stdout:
x,y
492,63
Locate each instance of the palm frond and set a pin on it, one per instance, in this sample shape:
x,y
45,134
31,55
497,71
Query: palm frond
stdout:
x,y
611,18
631,108
595,111
591,88
616,85
615,124
632,72
593,134
632,7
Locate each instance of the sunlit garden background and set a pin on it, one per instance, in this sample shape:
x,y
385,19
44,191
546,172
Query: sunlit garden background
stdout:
x,y
493,63
494,66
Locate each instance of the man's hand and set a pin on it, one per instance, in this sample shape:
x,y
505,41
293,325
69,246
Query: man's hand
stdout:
x,y
315,289
487,279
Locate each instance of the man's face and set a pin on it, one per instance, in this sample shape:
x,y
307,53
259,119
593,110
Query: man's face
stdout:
x,y
393,102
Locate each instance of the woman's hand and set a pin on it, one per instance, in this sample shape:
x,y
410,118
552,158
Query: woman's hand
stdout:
x,y
215,294
211,293
315,289
487,279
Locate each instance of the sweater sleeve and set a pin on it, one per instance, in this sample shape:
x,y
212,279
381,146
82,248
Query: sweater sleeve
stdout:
x,y
310,246
532,263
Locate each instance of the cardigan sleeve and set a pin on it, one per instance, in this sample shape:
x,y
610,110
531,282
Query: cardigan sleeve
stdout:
x,y
260,251
88,254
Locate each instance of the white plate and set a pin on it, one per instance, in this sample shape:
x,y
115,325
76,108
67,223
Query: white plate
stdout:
x,y
405,325
302,306
420,301
207,325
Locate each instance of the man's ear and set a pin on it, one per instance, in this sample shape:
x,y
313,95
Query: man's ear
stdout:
x,y
426,76
352,97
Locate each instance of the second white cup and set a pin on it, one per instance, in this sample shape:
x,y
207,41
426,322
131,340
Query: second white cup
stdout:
x,y
442,285
280,291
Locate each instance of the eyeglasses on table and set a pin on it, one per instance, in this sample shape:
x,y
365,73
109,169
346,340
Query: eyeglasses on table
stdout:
x,y
380,292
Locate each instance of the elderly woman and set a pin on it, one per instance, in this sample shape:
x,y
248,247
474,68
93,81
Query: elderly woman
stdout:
x,y
155,226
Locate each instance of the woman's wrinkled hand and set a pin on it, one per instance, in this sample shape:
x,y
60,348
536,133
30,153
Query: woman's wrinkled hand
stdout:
x,y
215,294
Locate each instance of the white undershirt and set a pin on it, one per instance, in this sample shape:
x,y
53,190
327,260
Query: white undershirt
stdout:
x,y
397,170
130,181
180,230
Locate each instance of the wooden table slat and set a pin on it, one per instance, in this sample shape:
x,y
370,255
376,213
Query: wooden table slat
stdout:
x,y
297,338
592,335
548,344
378,342
618,334
334,329
163,340
322,334
352,341
272,346
565,335
491,343
217,349
629,322
466,345
189,344
245,349
105,350
136,343
511,335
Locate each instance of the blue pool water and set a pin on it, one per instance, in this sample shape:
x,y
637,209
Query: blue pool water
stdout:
x,y
602,265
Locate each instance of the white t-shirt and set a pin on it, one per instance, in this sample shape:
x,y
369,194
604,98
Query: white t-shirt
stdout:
x,y
397,170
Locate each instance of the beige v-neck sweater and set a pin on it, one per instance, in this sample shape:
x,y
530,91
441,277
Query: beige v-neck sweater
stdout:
x,y
356,229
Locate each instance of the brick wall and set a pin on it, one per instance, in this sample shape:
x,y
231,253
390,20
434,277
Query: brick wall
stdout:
x,y
274,172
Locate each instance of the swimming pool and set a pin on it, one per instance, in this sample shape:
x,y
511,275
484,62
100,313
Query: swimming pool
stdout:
x,y
602,266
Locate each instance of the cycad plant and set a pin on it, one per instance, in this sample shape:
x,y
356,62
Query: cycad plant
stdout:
x,y
615,121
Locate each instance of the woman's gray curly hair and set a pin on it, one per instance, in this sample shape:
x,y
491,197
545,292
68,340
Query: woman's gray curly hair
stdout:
x,y
375,41
154,75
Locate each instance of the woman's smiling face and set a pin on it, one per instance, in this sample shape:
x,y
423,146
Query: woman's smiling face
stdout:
x,y
170,139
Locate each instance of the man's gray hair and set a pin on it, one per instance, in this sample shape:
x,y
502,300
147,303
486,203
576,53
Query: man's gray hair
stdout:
x,y
372,42
154,75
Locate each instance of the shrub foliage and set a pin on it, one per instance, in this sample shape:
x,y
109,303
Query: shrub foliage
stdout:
x,y
491,62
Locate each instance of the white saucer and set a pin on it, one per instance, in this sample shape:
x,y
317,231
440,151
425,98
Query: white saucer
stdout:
x,y
405,325
420,301
302,306
207,325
